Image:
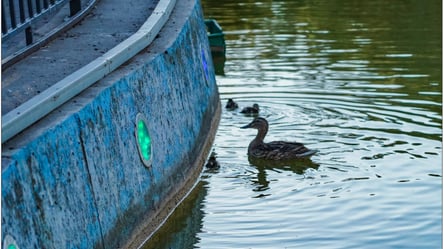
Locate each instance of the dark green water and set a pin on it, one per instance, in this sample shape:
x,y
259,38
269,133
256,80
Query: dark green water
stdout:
x,y
358,80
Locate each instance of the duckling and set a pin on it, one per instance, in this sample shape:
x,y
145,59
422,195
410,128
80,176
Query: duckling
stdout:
x,y
251,110
212,162
231,105
277,150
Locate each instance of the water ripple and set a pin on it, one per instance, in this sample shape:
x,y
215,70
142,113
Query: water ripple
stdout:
x,y
353,79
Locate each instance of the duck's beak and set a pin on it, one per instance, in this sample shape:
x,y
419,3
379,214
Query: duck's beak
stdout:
x,y
246,126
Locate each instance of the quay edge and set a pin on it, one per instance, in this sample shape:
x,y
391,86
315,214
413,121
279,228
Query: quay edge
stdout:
x,y
75,179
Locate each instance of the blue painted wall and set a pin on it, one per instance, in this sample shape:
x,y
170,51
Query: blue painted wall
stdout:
x,y
81,183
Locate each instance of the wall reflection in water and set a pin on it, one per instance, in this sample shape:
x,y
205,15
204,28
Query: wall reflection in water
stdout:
x,y
180,230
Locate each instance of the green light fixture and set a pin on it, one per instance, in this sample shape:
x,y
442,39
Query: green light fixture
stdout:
x,y
9,242
143,140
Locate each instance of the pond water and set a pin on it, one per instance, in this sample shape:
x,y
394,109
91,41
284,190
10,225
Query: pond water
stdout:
x,y
360,81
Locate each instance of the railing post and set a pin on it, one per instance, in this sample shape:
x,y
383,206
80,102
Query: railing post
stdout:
x,y
74,7
38,8
22,11
4,27
30,9
12,13
28,34
45,4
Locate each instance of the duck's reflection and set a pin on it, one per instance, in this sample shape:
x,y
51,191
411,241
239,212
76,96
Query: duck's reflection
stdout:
x,y
298,166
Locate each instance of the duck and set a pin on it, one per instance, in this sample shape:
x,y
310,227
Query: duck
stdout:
x,y
231,105
251,109
277,150
212,162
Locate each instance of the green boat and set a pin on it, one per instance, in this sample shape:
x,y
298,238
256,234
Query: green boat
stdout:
x,y
215,36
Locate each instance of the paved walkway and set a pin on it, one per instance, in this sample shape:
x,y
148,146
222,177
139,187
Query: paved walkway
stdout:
x,y
108,24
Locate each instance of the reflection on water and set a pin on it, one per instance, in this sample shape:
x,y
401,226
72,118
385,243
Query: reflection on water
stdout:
x,y
219,62
297,166
181,228
360,81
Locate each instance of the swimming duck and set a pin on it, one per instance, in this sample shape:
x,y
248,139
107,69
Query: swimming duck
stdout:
x,y
212,162
251,110
277,150
231,104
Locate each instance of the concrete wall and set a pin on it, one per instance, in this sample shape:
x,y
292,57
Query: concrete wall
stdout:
x,y
76,180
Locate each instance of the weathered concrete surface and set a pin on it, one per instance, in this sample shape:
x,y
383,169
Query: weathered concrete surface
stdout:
x,y
44,29
111,22
75,178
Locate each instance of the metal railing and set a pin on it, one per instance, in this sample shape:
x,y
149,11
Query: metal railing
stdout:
x,y
78,9
40,105
19,15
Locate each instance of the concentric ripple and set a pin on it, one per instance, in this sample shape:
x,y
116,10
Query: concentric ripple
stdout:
x,y
355,80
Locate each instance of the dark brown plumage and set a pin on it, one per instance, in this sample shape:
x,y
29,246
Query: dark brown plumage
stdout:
x,y
212,162
231,105
277,150
251,109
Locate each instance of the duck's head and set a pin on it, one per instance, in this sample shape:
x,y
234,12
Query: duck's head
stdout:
x,y
231,104
256,106
258,123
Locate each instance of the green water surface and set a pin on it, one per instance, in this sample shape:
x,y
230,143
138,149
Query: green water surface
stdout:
x,y
361,81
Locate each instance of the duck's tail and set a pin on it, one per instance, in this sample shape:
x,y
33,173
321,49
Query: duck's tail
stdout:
x,y
308,153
